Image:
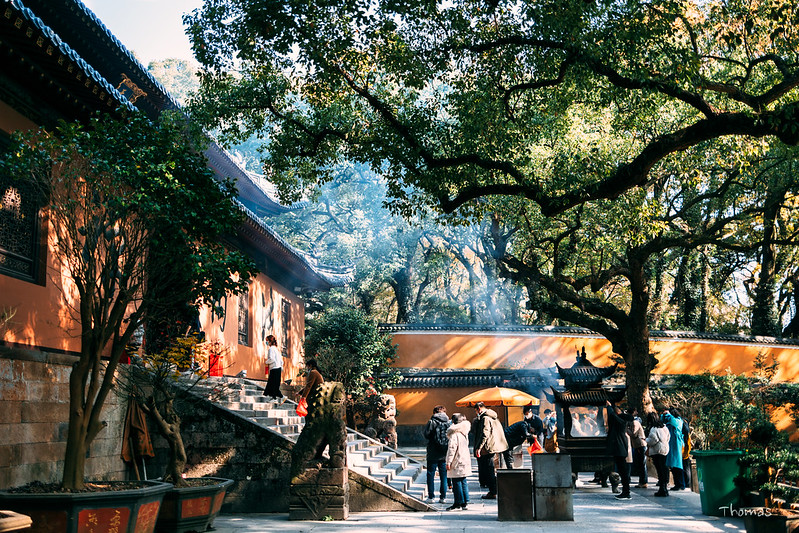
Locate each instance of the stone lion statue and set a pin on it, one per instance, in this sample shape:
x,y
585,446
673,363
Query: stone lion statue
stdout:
x,y
325,425
383,425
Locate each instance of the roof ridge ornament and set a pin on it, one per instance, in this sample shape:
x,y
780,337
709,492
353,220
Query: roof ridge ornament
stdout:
x,y
131,91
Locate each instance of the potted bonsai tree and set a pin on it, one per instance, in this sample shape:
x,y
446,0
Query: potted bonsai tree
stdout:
x,y
155,380
723,409
121,193
774,475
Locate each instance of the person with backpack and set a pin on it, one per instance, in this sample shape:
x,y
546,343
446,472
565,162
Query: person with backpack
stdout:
x,y
437,443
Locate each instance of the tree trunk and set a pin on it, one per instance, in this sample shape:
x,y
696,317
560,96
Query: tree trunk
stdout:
x,y
401,283
764,309
638,366
632,341
168,423
177,457
75,455
792,329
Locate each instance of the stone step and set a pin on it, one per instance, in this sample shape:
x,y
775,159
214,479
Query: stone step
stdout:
x,y
364,456
405,479
278,420
363,453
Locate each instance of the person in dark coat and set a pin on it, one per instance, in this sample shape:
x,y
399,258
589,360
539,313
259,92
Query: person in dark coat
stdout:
x,y
436,454
619,447
519,432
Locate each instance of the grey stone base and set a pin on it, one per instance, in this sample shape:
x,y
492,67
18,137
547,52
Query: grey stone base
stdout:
x,y
319,494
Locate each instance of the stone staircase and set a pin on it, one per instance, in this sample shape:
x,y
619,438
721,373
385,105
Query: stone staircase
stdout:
x,y
385,466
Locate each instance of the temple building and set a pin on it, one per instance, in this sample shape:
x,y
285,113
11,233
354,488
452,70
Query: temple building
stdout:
x,y
60,62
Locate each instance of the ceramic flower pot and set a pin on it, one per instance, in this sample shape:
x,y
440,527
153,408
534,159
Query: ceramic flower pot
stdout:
x,y
767,520
192,508
103,511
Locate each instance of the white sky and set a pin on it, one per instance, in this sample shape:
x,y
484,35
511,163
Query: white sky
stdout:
x,y
152,29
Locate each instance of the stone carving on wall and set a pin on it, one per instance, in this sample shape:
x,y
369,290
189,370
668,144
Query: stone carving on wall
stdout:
x,y
383,425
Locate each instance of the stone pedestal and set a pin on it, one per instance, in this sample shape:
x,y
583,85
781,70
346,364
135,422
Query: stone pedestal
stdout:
x,y
319,493
552,475
515,495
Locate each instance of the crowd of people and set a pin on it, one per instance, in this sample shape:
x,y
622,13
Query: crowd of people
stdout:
x,y
664,440
448,451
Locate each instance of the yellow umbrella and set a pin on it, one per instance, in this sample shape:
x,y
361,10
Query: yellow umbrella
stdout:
x,y
498,396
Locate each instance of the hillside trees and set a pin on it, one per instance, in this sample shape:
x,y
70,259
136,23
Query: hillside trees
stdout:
x,y
555,118
405,271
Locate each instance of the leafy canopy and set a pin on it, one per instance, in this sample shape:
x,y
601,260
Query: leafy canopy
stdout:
x,y
138,221
467,99
349,349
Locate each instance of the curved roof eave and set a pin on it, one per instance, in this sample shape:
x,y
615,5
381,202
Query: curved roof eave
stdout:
x,y
104,59
67,20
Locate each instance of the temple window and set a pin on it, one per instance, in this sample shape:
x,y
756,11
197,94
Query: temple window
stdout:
x,y
20,230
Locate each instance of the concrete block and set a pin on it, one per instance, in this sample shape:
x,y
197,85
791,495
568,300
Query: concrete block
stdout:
x,y
61,392
42,452
44,412
9,455
313,499
552,470
554,504
12,391
36,371
6,370
515,495
27,433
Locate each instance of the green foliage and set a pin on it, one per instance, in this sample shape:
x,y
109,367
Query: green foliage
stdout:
x,y
468,99
349,349
730,411
774,474
597,136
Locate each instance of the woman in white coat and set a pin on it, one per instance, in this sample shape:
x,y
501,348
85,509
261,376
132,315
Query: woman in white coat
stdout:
x,y
658,447
459,460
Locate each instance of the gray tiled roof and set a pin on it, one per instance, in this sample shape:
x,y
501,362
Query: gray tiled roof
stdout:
x,y
27,15
527,380
588,397
574,330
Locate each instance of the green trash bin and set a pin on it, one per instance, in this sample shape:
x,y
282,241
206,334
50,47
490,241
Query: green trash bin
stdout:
x,y
715,471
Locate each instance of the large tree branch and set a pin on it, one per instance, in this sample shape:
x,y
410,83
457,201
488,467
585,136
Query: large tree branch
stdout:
x,y
564,292
628,175
614,77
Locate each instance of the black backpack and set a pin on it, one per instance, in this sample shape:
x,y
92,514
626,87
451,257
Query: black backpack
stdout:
x,y
440,434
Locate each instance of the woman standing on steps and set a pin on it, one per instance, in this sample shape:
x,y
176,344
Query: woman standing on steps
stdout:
x,y
274,367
